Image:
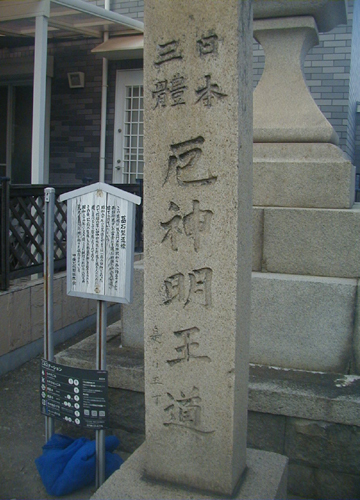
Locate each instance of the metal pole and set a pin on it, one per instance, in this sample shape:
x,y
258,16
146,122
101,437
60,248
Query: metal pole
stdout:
x,y
49,290
102,305
100,365
39,100
104,93
4,236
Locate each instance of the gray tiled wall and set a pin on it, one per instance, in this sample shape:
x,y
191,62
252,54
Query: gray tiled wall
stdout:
x,y
354,90
130,8
75,115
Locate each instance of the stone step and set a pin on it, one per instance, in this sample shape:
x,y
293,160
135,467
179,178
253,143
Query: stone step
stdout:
x,y
333,397
303,322
304,175
298,322
125,365
317,242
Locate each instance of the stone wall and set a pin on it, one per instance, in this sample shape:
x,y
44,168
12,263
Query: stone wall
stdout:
x,y
310,416
22,317
323,451
324,458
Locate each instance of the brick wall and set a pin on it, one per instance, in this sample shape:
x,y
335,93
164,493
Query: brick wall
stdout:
x,y
354,91
357,143
327,70
75,114
75,123
129,8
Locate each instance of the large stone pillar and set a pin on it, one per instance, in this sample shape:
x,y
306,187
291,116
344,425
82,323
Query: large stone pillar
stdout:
x,y
198,242
198,183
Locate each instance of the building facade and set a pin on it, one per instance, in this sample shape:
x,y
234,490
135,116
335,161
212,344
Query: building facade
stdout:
x,y
332,71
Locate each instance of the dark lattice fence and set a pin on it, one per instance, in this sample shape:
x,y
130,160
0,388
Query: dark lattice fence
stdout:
x,y
22,229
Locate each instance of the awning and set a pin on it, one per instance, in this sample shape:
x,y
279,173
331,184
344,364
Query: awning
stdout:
x,y
121,47
66,19
41,20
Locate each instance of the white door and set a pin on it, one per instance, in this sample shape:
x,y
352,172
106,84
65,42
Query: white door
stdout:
x,y
129,127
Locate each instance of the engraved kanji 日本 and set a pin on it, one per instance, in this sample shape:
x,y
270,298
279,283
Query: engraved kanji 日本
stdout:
x,y
185,162
210,92
207,45
188,349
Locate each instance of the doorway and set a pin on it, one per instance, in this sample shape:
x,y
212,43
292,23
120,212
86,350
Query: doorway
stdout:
x,y
16,102
128,165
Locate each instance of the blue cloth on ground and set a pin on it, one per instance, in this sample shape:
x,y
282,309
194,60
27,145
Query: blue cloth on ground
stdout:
x,y
67,464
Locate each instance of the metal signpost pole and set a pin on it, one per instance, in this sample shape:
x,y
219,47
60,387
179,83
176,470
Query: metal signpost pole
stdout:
x,y
100,365
49,289
101,304
100,262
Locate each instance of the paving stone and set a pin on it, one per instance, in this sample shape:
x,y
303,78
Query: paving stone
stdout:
x,y
265,478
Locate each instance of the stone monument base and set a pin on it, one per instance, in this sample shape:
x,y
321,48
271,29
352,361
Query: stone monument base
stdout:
x,y
265,477
302,175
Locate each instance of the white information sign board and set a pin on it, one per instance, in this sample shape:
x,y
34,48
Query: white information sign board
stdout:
x,y
100,242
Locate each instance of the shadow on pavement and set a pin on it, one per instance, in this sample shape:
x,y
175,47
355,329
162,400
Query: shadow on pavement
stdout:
x,y
22,430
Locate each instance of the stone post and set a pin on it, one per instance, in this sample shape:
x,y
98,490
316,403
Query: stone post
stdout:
x,y
198,243
197,220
